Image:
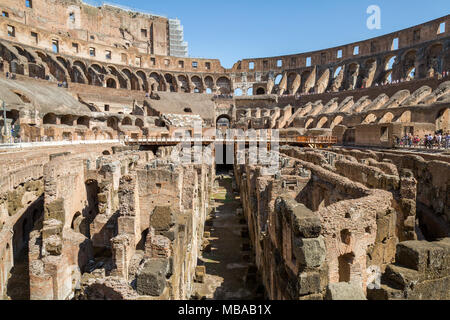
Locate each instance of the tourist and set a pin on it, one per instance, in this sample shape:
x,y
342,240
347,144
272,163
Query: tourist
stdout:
x,y
438,140
447,140
430,140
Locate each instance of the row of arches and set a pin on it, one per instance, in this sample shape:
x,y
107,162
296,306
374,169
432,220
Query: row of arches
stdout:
x,y
71,120
39,64
395,66
442,119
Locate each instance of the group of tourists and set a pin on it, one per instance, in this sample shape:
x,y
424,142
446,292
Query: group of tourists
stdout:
x,y
438,140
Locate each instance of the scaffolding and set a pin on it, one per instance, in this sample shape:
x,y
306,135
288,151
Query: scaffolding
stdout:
x,y
177,46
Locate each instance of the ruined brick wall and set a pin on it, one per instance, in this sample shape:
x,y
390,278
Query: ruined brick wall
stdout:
x,y
310,228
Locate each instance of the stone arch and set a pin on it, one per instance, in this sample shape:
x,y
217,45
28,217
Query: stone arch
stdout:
x,y
370,118
336,121
323,123
224,85
67,120
352,75
293,83
171,82
127,121
79,72
309,123
120,77
405,117
304,77
223,120
260,91
49,118
141,74
157,84
83,121
139,123
111,83
387,118
133,80
197,83
183,83
112,123
434,57
443,120
323,82
337,71
409,62
209,84
95,75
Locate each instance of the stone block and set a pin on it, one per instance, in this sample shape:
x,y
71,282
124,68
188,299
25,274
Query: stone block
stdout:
x,y
151,279
412,254
310,252
308,283
162,219
345,291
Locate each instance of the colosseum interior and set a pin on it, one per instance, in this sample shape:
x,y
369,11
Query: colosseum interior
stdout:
x,y
95,204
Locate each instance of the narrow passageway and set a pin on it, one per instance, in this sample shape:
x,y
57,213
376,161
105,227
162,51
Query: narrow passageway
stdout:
x,y
230,273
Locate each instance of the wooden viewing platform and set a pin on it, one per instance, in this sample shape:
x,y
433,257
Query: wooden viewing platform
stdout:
x,y
304,141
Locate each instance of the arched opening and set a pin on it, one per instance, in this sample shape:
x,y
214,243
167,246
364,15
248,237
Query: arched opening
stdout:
x,y
198,85
371,118
443,120
278,79
322,123
260,91
134,82
337,72
112,123
293,82
224,85
49,118
67,120
170,82
309,123
387,118
139,123
184,84
223,122
83,121
156,86
127,122
187,110
405,117
390,62
143,78
111,83
238,92
337,121
96,75
250,91
411,74
409,62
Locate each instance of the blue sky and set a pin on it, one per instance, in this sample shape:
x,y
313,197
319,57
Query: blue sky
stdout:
x,y
233,30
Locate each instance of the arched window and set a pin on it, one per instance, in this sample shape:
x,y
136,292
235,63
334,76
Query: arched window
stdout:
x,y
260,91
111,83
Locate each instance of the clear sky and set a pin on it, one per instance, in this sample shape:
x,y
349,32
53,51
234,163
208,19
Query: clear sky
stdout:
x,y
238,29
